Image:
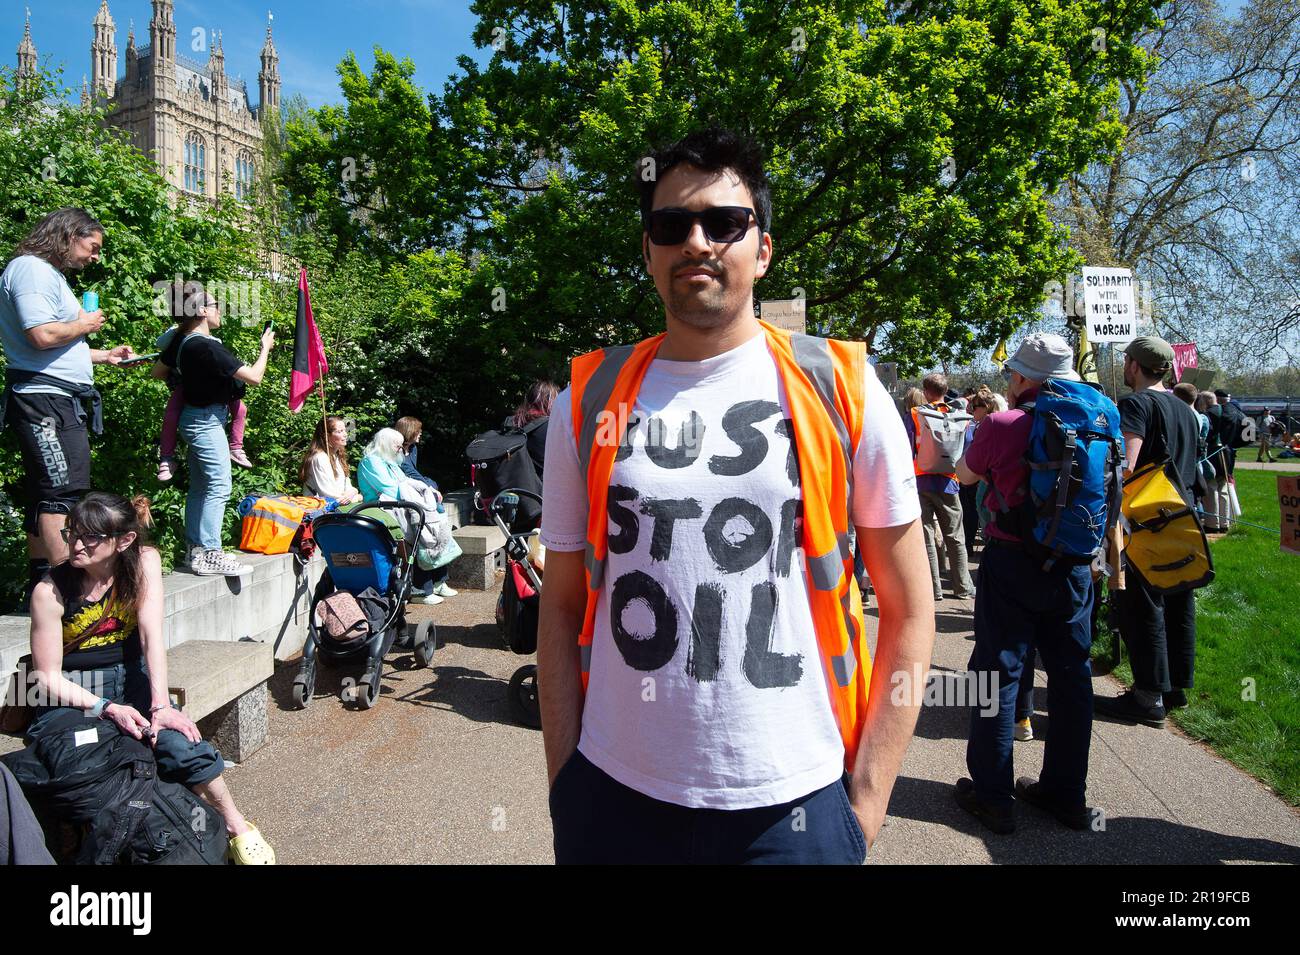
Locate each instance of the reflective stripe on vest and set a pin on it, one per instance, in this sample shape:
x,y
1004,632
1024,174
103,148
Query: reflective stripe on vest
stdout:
x,y
823,381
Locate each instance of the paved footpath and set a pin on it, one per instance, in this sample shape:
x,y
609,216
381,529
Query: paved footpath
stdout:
x,y
439,772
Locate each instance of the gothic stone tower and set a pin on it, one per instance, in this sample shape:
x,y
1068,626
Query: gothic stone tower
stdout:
x,y
196,120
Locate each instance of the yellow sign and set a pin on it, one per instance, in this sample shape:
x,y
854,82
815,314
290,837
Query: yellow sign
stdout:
x,y
1000,353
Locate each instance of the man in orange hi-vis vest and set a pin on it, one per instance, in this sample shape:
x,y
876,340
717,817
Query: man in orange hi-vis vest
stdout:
x,y
706,691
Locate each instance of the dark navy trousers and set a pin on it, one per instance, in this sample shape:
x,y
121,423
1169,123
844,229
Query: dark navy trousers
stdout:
x,y
1019,606
597,820
179,760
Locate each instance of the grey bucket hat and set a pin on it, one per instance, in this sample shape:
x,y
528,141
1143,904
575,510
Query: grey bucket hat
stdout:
x,y
1042,356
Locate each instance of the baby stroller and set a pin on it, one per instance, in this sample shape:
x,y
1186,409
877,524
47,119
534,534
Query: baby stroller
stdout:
x,y
360,552
521,593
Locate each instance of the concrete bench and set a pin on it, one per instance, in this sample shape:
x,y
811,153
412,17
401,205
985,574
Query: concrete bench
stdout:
x,y
483,555
460,506
221,685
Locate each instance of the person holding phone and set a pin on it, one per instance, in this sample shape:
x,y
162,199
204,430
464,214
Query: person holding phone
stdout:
x,y
172,417
49,374
209,374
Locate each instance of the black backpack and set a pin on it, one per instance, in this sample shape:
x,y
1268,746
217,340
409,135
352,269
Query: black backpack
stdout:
x,y
87,772
498,460
1234,427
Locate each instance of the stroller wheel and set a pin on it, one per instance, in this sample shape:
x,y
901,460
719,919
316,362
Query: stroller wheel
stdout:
x,y
304,684
368,688
426,642
523,696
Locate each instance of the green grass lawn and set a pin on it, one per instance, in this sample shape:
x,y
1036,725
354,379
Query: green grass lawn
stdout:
x,y
1246,703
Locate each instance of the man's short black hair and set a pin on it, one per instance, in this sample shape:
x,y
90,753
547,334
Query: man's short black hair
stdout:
x,y
712,150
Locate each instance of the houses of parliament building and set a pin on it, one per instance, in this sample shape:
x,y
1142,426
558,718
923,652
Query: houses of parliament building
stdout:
x,y
197,122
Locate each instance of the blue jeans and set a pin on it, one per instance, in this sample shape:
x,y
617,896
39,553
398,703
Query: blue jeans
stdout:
x,y
597,820
204,431
1019,606
179,760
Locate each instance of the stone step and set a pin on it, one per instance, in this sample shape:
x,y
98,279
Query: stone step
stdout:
x,y
204,675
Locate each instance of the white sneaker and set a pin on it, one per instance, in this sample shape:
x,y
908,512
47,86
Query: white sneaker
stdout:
x,y
420,591
217,563
430,600
442,590
1024,731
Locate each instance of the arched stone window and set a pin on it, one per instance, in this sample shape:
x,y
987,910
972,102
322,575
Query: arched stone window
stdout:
x,y
196,164
245,172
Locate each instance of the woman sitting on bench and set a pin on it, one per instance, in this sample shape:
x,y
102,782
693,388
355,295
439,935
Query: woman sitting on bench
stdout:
x,y
97,645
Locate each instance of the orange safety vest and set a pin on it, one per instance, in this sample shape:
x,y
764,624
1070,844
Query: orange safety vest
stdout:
x,y
823,382
916,438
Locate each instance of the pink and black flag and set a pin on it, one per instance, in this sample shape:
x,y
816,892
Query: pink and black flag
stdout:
x,y
309,364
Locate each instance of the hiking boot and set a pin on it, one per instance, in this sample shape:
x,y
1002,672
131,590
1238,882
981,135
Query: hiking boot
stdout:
x,y
1072,817
217,563
1024,730
1174,700
999,819
166,469
1127,709
238,456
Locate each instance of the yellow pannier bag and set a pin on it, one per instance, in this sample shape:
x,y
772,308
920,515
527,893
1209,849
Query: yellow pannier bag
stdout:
x,y
1164,540
270,522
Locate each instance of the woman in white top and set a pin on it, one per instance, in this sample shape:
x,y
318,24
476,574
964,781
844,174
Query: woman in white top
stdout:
x,y
324,471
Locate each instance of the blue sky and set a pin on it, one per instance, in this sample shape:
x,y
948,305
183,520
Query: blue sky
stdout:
x,y
310,35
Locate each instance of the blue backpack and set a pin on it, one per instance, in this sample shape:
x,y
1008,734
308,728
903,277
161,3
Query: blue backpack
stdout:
x,y
1076,467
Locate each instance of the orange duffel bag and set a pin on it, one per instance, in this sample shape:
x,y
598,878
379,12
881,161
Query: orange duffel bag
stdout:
x,y
270,522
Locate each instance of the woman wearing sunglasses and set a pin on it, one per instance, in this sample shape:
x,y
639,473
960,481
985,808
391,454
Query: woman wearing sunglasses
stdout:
x,y
97,645
209,374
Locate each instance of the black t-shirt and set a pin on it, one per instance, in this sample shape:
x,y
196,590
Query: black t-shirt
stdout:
x,y
537,446
103,632
1230,420
207,370
1168,428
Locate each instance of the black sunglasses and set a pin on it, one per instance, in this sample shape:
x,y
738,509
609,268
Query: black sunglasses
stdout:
x,y
721,224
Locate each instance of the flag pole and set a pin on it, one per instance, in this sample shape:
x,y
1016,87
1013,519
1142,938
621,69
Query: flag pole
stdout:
x,y
324,417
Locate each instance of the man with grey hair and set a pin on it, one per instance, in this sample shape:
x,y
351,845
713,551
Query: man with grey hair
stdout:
x,y
48,374
1020,605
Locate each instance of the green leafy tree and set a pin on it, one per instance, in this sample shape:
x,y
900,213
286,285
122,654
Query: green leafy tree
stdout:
x,y
1201,199
55,154
912,152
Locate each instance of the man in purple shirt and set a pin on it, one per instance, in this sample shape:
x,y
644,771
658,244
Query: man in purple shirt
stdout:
x,y
1018,606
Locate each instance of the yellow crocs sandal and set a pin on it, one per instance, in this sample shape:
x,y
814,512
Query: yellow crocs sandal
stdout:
x,y
250,849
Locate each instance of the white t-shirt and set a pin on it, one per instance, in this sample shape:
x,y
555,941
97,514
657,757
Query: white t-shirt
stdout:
x,y
706,686
323,479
